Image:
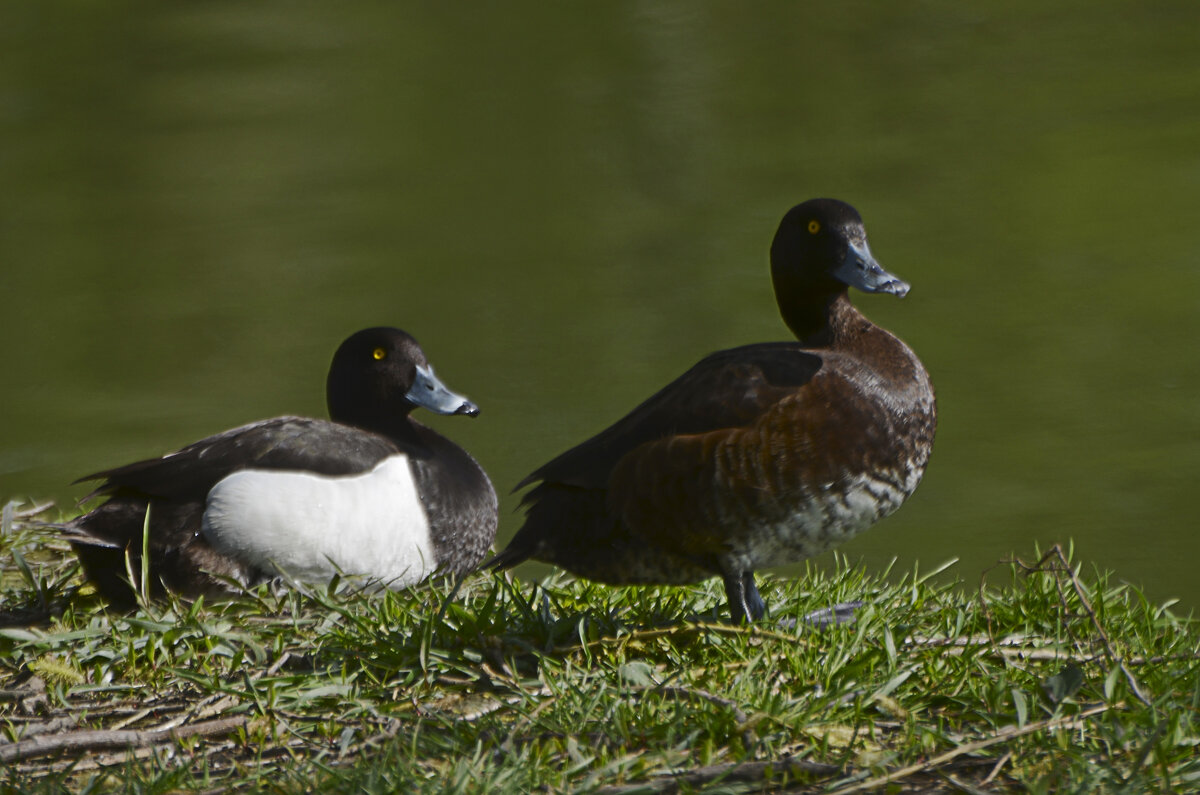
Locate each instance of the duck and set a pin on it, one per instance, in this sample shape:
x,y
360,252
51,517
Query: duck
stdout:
x,y
370,492
758,456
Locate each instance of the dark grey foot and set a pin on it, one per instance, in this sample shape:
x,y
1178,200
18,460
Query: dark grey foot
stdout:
x,y
841,613
745,602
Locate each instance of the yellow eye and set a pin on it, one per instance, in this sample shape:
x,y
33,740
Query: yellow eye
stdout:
x,y
379,353
814,227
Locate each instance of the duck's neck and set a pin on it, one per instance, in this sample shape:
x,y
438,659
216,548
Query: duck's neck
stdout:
x,y
820,319
399,428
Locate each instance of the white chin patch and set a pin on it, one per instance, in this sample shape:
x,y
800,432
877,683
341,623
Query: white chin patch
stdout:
x,y
313,526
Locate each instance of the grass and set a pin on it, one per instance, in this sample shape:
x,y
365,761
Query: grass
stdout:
x,y
1036,679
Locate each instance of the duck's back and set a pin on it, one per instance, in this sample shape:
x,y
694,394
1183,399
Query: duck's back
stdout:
x,y
298,443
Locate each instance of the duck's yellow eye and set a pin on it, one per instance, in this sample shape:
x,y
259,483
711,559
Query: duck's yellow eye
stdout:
x,y
379,353
814,226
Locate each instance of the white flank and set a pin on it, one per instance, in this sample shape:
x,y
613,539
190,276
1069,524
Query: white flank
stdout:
x,y
312,526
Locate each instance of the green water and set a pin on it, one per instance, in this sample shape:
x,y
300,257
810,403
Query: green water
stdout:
x,y
568,204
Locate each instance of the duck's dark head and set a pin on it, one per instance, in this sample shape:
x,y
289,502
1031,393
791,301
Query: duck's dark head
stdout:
x,y
819,250
379,375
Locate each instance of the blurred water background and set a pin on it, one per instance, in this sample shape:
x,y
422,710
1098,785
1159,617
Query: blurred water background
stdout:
x,y
568,204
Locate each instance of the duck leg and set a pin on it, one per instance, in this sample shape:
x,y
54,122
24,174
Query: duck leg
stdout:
x,y
745,603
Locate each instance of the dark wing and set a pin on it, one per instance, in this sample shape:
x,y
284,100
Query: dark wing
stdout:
x,y
284,442
727,389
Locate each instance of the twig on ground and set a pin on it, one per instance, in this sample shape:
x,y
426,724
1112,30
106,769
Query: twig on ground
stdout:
x,y
130,719
31,729
732,773
1000,763
103,739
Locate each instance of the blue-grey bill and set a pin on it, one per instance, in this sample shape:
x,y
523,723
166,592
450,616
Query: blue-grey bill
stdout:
x,y
859,269
430,393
